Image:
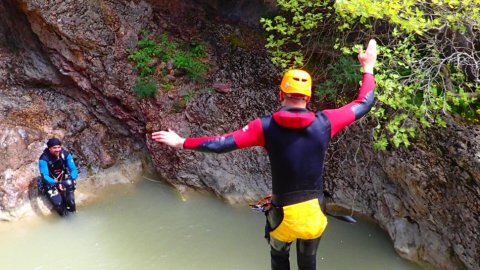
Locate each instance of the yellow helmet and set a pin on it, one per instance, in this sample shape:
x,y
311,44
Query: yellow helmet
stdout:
x,y
297,81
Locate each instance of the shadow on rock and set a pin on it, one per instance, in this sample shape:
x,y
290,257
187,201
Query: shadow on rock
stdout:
x,y
38,202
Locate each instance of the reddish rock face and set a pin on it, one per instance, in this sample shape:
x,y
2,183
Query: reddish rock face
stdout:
x,y
222,87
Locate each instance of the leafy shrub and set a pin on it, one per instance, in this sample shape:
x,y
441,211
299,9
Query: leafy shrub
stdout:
x,y
187,62
428,56
344,72
163,49
145,88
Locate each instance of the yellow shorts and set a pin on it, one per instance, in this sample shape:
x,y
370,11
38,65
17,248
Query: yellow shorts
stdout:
x,y
303,220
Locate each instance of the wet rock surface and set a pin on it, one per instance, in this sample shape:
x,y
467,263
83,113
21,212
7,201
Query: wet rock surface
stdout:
x,y
64,72
425,197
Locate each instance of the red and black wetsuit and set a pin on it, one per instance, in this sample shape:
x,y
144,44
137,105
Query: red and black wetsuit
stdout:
x,y
296,140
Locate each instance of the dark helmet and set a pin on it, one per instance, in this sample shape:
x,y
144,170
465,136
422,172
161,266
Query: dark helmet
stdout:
x,y
53,141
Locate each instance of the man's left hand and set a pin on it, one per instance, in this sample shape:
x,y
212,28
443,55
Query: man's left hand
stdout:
x,y
368,58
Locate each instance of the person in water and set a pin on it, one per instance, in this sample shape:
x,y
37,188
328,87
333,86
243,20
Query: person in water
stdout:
x,y
296,140
58,176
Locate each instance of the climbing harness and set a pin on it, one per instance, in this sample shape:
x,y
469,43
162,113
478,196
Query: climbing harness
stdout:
x,y
265,203
262,205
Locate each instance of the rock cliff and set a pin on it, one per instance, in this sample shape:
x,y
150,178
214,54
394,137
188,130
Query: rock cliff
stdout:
x,y
64,71
43,94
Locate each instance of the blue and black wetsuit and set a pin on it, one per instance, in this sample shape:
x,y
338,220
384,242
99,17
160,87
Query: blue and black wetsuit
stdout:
x,y
296,140
55,172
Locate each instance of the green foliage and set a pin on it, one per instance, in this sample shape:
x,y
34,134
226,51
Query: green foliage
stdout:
x,y
411,16
422,68
145,88
287,31
147,50
466,106
167,86
346,71
187,58
187,62
190,94
198,50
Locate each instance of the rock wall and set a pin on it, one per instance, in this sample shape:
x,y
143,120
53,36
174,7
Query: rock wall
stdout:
x,y
427,197
245,81
64,72
37,101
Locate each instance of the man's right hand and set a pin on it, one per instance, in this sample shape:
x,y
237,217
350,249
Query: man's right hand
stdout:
x,y
170,138
369,57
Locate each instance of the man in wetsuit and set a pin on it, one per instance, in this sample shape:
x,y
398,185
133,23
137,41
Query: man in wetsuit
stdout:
x,y
296,140
59,175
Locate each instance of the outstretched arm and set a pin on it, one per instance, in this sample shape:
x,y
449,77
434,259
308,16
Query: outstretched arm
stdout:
x,y
250,135
344,116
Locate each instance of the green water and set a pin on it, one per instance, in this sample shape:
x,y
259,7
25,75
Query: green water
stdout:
x,y
151,227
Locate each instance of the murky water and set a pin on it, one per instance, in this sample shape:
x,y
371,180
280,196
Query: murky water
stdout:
x,y
151,227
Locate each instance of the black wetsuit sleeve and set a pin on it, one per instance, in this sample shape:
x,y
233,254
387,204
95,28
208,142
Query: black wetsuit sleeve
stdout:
x,y
248,136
